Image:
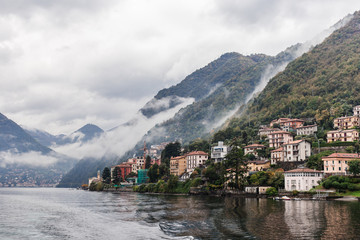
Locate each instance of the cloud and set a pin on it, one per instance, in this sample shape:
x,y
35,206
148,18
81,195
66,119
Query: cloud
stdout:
x,y
67,63
32,159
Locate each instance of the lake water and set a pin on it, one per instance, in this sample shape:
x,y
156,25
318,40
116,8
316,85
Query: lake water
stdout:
x,y
76,214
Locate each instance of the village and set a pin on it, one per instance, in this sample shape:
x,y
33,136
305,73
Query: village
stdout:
x,y
285,146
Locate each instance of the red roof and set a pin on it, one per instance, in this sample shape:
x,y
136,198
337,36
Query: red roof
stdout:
x,y
343,155
196,153
307,170
278,150
176,158
294,142
255,146
277,132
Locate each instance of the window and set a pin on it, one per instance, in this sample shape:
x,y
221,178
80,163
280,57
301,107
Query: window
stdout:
x,y
339,168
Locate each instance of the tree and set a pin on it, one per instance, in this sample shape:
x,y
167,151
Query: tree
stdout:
x,y
171,150
106,175
235,161
148,162
116,175
154,173
354,167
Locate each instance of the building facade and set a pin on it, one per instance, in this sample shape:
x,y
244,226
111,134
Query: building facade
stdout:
x,y
356,110
195,159
277,139
306,130
259,165
302,179
277,155
295,151
349,135
178,165
253,148
337,163
346,122
219,152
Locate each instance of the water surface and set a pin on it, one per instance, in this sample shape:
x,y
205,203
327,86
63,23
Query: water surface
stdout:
x,y
37,213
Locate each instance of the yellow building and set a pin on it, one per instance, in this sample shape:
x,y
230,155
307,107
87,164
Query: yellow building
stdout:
x,y
337,163
350,135
346,122
260,165
178,165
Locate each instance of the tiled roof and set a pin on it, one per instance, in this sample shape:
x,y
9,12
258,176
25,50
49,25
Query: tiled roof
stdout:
x,y
343,155
254,146
196,153
308,126
294,142
178,157
278,150
277,132
307,170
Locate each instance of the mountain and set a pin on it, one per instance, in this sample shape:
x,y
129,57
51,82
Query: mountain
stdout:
x,y
25,162
14,139
322,84
84,134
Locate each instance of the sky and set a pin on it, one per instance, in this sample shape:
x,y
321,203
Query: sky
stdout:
x,y
67,63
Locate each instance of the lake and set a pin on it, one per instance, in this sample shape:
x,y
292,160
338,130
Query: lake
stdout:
x,y
47,213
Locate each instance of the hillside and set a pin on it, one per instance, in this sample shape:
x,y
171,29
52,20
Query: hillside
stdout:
x,y
323,83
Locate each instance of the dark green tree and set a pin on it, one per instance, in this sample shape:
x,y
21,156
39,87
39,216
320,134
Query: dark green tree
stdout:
x,y
106,175
354,167
171,150
116,175
154,173
148,162
237,164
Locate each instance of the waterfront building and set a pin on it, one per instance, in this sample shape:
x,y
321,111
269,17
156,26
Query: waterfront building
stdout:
x,y
125,168
349,135
278,138
337,163
178,165
298,150
219,152
346,122
306,130
195,159
302,179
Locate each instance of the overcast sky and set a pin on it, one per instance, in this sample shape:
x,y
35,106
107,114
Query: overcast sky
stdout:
x,y
67,63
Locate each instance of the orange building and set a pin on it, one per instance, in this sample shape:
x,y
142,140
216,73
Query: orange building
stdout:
x,y
346,122
178,165
349,135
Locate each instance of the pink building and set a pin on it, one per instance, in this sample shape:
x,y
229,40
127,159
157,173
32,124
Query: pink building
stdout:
x,y
277,155
349,135
277,139
337,163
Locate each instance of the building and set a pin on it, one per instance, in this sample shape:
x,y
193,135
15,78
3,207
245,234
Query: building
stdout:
x,y
295,151
195,159
288,123
253,148
277,155
302,179
337,163
178,165
346,122
306,130
265,131
219,152
277,139
259,165
356,110
95,179
125,168
349,135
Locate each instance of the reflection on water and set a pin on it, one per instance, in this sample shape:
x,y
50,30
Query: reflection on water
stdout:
x,y
71,214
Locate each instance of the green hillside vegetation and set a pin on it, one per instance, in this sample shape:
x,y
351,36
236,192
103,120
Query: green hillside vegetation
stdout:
x,y
322,84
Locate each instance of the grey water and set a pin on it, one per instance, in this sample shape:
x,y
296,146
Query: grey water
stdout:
x,y
47,213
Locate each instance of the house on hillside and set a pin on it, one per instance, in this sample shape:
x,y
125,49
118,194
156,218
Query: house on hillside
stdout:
x,y
288,124
337,163
349,135
258,165
356,110
277,139
266,131
302,179
195,159
295,151
253,148
306,130
277,155
219,152
346,122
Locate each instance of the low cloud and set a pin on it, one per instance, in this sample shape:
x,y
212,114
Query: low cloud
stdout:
x,y
31,159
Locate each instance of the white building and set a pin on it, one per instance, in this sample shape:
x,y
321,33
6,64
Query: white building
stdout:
x,y
252,149
302,179
195,159
356,110
219,152
298,150
306,130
